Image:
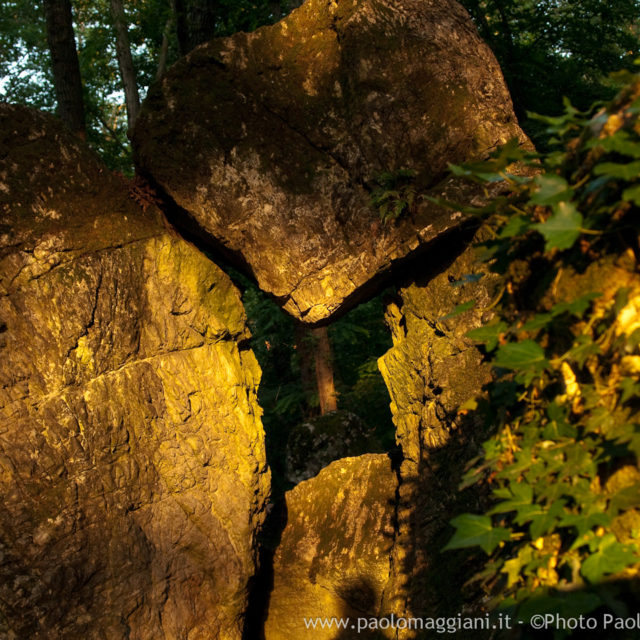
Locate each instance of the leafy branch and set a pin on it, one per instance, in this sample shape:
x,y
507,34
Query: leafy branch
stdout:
x,y
563,409
395,194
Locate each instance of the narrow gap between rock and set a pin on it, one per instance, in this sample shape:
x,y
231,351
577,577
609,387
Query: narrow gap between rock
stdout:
x,y
300,441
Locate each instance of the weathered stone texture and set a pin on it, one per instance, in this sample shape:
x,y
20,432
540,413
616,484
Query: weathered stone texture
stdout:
x,y
272,142
132,464
431,371
333,559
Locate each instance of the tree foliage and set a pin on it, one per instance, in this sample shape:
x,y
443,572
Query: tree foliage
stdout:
x,y
553,48
547,49
562,532
25,66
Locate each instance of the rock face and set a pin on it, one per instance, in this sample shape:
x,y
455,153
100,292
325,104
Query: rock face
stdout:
x,y
132,464
333,559
315,443
271,143
431,372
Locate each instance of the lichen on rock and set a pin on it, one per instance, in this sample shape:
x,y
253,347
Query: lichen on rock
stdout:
x,y
271,143
333,558
132,464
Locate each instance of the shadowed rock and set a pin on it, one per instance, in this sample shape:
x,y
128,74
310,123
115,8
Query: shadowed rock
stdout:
x,y
333,559
271,143
432,370
313,444
132,464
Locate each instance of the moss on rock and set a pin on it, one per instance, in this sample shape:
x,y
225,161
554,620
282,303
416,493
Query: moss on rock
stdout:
x,y
132,465
271,142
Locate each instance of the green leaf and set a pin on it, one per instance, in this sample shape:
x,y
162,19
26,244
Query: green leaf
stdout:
x,y
551,190
610,558
520,356
488,335
629,171
516,226
521,496
562,228
630,388
619,142
578,306
626,498
459,309
555,430
537,322
584,523
582,348
544,523
476,531
621,299
514,566
632,194
480,172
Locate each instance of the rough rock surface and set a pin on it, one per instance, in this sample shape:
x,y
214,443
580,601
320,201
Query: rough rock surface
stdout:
x,y
272,142
132,463
333,559
431,372
313,444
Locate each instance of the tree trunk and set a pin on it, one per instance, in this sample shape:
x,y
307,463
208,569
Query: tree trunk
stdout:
x,y
196,22
125,63
65,65
164,47
324,371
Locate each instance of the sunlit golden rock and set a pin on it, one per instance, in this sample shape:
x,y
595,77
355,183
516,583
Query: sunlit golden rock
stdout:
x,y
334,556
271,143
132,463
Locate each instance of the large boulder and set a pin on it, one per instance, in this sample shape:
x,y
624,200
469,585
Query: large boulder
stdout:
x,y
334,556
132,462
271,143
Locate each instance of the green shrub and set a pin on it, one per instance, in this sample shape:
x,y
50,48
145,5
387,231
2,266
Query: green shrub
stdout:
x,y
561,461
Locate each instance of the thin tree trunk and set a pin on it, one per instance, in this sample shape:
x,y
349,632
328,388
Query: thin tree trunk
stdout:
x,y
195,22
125,63
324,371
65,65
509,61
164,48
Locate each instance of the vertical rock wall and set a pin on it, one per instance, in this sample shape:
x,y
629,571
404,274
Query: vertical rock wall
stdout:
x,y
132,463
431,371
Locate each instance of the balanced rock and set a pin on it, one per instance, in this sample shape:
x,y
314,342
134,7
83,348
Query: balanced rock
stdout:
x,y
132,463
333,558
272,143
